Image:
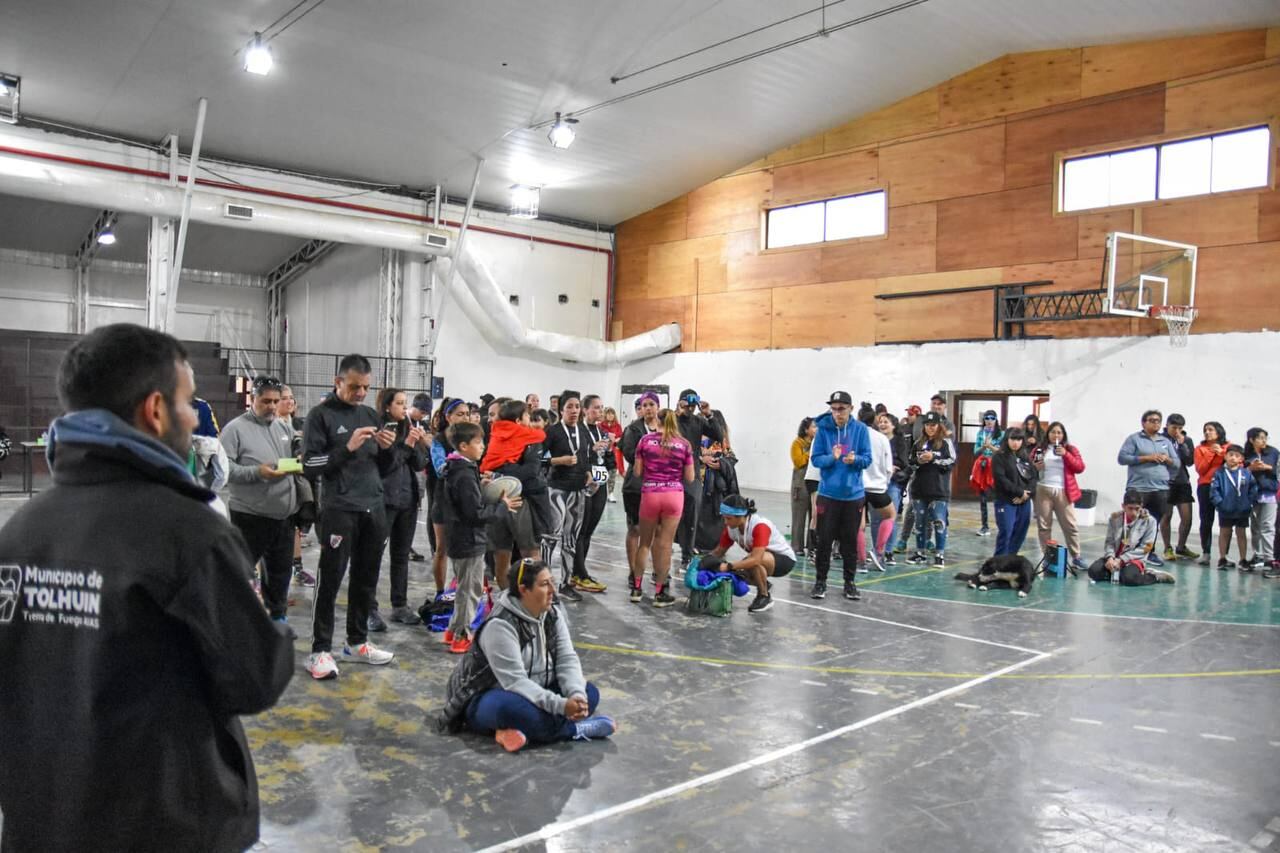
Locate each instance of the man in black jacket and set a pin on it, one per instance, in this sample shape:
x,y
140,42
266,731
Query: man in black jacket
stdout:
x,y
130,636
340,443
693,426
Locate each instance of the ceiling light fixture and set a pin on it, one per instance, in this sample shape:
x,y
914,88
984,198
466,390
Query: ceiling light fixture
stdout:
x,y
10,91
562,133
107,238
524,201
257,57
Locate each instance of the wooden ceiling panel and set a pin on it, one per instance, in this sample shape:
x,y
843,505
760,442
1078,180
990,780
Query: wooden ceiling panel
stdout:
x,y
1116,67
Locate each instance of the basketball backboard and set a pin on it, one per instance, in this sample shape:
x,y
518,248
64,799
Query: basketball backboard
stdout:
x,y
1143,273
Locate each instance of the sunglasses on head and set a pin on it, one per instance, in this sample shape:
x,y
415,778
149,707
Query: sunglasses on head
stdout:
x,y
267,383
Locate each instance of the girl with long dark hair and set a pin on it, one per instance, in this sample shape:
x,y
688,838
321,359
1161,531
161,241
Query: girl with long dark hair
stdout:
x,y
399,465
1015,477
1210,454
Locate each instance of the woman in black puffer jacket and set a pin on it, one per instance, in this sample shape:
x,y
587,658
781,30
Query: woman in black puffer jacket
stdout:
x,y
1015,483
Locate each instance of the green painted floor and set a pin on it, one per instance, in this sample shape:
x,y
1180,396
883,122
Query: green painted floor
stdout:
x,y
1202,594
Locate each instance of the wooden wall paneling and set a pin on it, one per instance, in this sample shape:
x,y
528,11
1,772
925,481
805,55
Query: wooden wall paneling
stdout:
x,y
939,280
909,248
631,272
1223,100
1269,216
1273,42
728,204
1001,229
1030,143
753,166
776,269
712,263
967,162
916,114
934,318
1094,228
615,330
842,174
1085,274
641,315
1116,67
1236,288
838,313
728,321
802,150
1205,221
672,270
660,225
1011,84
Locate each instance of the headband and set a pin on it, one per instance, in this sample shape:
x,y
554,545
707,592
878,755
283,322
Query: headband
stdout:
x,y
455,404
725,509
648,395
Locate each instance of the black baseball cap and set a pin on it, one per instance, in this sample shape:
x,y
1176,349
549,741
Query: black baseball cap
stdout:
x,y
689,396
840,397
932,418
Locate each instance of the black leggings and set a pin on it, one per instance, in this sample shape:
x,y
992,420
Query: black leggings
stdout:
x,y
1206,517
594,506
838,520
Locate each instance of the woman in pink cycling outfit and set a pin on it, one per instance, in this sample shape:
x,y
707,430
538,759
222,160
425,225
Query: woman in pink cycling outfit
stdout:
x,y
664,463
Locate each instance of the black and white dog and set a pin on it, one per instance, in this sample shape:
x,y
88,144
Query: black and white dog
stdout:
x,y
1007,571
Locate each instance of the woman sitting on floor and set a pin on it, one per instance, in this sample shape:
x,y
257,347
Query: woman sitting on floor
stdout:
x,y
521,681
768,553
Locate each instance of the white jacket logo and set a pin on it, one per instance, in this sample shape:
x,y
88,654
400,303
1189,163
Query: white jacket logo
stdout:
x,y
10,585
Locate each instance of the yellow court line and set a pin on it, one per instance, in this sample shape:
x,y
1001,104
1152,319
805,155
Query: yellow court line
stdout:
x,y
840,670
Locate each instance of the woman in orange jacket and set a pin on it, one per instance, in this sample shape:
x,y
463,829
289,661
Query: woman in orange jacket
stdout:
x,y
1209,456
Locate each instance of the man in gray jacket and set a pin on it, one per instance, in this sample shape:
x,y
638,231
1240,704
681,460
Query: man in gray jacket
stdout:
x,y
263,498
1152,461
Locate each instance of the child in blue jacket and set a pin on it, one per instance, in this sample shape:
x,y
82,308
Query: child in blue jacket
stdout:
x,y
1233,492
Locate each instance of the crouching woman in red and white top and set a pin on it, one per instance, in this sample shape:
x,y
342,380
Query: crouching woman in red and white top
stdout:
x,y
768,552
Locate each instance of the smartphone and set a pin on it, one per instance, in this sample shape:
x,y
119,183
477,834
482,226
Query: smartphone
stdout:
x,y
391,425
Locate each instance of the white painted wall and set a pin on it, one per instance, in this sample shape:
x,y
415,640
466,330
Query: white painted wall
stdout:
x,y
1099,389
39,297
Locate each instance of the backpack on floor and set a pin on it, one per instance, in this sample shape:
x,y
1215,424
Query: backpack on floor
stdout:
x,y
716,600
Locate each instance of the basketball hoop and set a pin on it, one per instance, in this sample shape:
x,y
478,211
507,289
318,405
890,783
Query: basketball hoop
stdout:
x,y
1178,319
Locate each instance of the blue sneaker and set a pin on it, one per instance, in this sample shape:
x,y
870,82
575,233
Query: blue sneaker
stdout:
x,y
1153,559
593,728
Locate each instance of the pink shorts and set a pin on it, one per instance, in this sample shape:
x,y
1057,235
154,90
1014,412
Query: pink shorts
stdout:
x,y
655,506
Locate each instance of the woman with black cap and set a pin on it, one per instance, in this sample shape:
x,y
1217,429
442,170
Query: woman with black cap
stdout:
x,y
984,447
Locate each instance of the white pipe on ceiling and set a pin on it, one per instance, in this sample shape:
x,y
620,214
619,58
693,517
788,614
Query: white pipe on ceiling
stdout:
x,y
85,186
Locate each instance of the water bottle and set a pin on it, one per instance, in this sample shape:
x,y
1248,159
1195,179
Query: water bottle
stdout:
x,y
1115,576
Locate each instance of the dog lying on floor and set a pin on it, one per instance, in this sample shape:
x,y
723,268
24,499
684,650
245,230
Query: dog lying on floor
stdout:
x,y
1007,571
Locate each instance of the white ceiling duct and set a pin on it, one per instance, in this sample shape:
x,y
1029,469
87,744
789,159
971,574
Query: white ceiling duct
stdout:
x,y
98,186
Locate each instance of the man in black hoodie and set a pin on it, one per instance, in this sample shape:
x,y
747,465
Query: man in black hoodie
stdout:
x,y
340,443
693,426
130,636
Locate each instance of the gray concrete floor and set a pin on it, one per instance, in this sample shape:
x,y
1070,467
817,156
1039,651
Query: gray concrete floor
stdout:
x,y
898,723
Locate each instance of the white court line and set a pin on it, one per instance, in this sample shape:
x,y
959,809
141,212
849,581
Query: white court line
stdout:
x,y
1211,736
815,683
561,827
1025,609
969,707
711,663
1023,714
1262,840
1273,825
624,645
910,627
863,690
1152,729
758,672
1086,721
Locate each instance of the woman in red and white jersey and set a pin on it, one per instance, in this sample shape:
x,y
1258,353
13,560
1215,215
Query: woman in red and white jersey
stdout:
x,y
768,552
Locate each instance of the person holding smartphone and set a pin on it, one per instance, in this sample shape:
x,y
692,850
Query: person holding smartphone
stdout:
x,y
1057,490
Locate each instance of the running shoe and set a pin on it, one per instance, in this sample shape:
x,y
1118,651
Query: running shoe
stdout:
x,y
448,636
1079,564
1205,559
900,548
1170,554
761,604
588,584
1185,553
663,596
1273,572
415,557
918,559
594,728
321,666
862,567
405,616
819,590
367,653
301,576
376,624
512,740
875,561
1153,559
568,593
983,531
851,591
889,559
1224,564
1245,566
283,620
460,646
939,560
637,591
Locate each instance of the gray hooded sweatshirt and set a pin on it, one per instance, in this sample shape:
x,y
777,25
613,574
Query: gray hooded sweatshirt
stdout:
x,y
528,673
251,441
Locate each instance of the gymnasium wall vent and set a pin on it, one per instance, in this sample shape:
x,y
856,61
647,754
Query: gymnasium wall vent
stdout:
x,y
237,211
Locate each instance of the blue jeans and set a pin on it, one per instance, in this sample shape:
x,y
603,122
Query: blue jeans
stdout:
x,y
501,709
931,516
1012,521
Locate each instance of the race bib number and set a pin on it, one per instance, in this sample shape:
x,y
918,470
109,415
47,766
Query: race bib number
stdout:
x,y
599,474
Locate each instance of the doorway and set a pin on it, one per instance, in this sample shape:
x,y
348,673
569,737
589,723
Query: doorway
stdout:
x,y
967,408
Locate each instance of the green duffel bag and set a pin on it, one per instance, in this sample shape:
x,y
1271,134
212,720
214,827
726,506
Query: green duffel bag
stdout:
x,y
716,601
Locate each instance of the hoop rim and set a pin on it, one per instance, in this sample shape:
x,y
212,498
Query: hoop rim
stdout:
x,y
1185,313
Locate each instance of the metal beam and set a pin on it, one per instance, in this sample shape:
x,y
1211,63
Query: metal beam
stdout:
x,y
89,246
185,219
303,258
160,236
453,266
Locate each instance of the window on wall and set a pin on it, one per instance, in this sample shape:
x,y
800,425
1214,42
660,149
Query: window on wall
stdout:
x,y
862,215
1234,160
